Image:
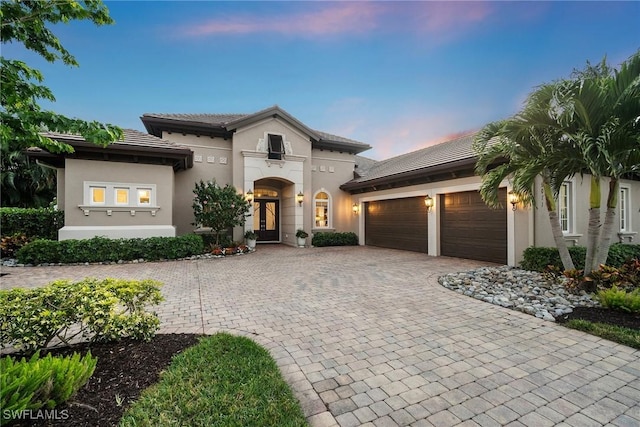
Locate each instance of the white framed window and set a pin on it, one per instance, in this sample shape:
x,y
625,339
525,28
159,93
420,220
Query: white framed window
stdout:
x,y
144,197
322,209
97,195
121,196
625,209
566,207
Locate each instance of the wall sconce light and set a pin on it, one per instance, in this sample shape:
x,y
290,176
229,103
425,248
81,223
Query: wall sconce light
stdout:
x,y
300,198
428,202
249,196
513,199
355,209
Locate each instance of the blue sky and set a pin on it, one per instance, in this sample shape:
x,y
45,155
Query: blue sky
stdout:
x,y
396,75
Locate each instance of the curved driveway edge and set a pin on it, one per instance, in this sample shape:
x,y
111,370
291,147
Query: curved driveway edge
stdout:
x,y
366,336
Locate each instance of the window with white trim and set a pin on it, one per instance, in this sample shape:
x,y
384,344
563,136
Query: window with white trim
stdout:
x,y
119,194
565,207
322,209
144,196
97,196
625,209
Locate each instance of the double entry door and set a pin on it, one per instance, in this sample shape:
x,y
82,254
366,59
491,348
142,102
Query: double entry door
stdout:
x,y
266,220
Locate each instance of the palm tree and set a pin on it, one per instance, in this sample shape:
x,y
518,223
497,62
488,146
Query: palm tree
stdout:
x,y
599,112
530,146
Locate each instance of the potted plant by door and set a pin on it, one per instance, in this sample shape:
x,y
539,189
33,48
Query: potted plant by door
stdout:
x,y
301,235
251,238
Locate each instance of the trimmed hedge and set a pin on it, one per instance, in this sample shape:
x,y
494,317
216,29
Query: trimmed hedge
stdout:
x,y
334,239
538,258
42,223
100,249
99,309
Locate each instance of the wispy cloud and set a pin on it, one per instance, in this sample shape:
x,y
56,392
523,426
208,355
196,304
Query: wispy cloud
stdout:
x,y
441,20
337,18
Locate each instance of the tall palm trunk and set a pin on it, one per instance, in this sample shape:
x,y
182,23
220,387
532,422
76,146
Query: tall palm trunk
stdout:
x,y
609,223
593,230
556,229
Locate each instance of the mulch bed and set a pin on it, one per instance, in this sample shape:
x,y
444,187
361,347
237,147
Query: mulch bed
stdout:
x,y
127,367
603,315
124,369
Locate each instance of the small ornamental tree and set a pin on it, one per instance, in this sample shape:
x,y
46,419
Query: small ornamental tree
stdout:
x,y
218,207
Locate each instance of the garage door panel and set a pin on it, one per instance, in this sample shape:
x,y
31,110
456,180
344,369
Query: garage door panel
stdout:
x,y
397,224
470,229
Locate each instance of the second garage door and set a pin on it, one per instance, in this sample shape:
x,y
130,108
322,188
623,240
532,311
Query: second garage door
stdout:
x,y
397,224
470,229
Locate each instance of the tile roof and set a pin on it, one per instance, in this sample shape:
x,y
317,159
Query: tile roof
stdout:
x,y
132,138
363,165
222,120
210,119
436,155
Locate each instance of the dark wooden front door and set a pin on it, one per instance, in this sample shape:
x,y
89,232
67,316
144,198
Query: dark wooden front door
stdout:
x,y
266,220
470,229
397,224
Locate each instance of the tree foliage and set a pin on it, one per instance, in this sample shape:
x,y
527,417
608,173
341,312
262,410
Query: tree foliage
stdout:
x,y
218,207
23,183
588,124
27,22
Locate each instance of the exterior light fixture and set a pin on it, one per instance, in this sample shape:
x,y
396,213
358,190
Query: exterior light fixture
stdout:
x,y
428,202
300,198
249,196
513,199
356,209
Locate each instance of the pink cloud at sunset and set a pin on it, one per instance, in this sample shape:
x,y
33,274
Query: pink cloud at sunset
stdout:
x,y
441,20
405,134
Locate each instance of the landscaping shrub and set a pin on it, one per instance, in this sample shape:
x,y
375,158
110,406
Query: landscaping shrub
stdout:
x,y
539,258
41,223
40,382
100,249
619,299
9,245
627,277
334,239
100,310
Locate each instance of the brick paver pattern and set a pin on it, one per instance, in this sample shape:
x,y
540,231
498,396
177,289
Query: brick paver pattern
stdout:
x,y
366,336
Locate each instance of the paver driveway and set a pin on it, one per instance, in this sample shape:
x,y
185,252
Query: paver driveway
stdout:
x,y
367,336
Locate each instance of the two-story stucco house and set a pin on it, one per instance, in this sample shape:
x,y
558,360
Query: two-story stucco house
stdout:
x,y
301,178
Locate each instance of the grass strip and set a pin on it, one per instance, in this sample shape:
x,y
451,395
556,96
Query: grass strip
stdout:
x,y
626,336
222,381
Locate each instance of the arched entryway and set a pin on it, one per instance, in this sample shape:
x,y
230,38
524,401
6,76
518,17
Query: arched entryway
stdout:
x,y
273,202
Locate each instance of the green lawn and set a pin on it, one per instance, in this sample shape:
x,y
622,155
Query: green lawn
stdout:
x,y
223,381
626,336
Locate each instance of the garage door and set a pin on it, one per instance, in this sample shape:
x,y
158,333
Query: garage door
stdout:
x,y
470,229
397,224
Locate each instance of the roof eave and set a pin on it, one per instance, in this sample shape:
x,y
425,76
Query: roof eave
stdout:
x,y
390,180
156,125
325,144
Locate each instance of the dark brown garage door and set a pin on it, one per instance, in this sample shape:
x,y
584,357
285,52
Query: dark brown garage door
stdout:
x,y
397,224
470,229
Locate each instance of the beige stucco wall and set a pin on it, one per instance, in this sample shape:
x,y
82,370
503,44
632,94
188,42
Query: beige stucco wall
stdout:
x,y
329,170
77,172
209,163
581,186
293,172
519,231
